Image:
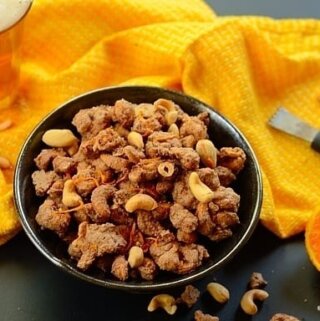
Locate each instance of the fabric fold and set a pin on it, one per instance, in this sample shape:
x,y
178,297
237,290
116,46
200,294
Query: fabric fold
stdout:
x,y
243,66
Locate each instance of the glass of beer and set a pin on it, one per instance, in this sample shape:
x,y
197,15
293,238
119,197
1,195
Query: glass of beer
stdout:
x,y
12,14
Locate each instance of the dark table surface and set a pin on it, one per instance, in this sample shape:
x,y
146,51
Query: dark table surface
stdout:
x,y
32,289
273,8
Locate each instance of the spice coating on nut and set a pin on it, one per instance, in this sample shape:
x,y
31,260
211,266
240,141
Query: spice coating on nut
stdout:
x,y
283,317
200,316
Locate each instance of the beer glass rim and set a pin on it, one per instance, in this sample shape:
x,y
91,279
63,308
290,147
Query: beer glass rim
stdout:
x,y
19,20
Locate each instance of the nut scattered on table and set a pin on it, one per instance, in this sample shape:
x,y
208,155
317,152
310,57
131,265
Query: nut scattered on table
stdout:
x,y
219,292
283,317
164,301
257,281
247,302
200,316
125,183
189,296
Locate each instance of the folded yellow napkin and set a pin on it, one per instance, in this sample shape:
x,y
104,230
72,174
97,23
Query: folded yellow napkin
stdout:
x,y
246,67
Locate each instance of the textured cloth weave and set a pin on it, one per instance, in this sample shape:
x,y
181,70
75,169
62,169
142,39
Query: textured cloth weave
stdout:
x,y
244,66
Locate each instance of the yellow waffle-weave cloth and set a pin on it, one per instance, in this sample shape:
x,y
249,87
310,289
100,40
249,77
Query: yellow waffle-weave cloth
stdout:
x,y
244,66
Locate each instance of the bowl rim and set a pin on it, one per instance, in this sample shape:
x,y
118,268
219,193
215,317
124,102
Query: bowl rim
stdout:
x,y
113,284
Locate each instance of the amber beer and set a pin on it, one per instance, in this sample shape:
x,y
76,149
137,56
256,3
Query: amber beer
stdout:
x,y
12,13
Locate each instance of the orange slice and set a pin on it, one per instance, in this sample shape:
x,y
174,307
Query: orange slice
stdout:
x,y
312,239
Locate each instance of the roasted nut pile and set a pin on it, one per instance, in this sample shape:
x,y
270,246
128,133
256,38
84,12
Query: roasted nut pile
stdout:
x,y
134,193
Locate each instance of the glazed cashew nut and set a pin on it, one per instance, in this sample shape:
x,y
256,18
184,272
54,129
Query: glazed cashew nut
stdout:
x,y
166,169
247,302
173,128
136,256
140,202
135,139
59,138
69,196
219,292
164,301
207,152
199,190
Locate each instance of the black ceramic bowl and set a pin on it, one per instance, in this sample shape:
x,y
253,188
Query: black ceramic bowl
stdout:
x,y
222,132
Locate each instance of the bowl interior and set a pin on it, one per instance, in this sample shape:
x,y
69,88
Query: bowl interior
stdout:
x,y
222,133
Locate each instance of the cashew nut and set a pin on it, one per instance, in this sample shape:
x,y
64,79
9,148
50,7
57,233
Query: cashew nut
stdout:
x,y
207,152
164,301
218,292
69,196
135,139
173,128
144,110
136,256
5,124
140,202
166,169
59,138
4,163
199,190
247,301
171,117
165,103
